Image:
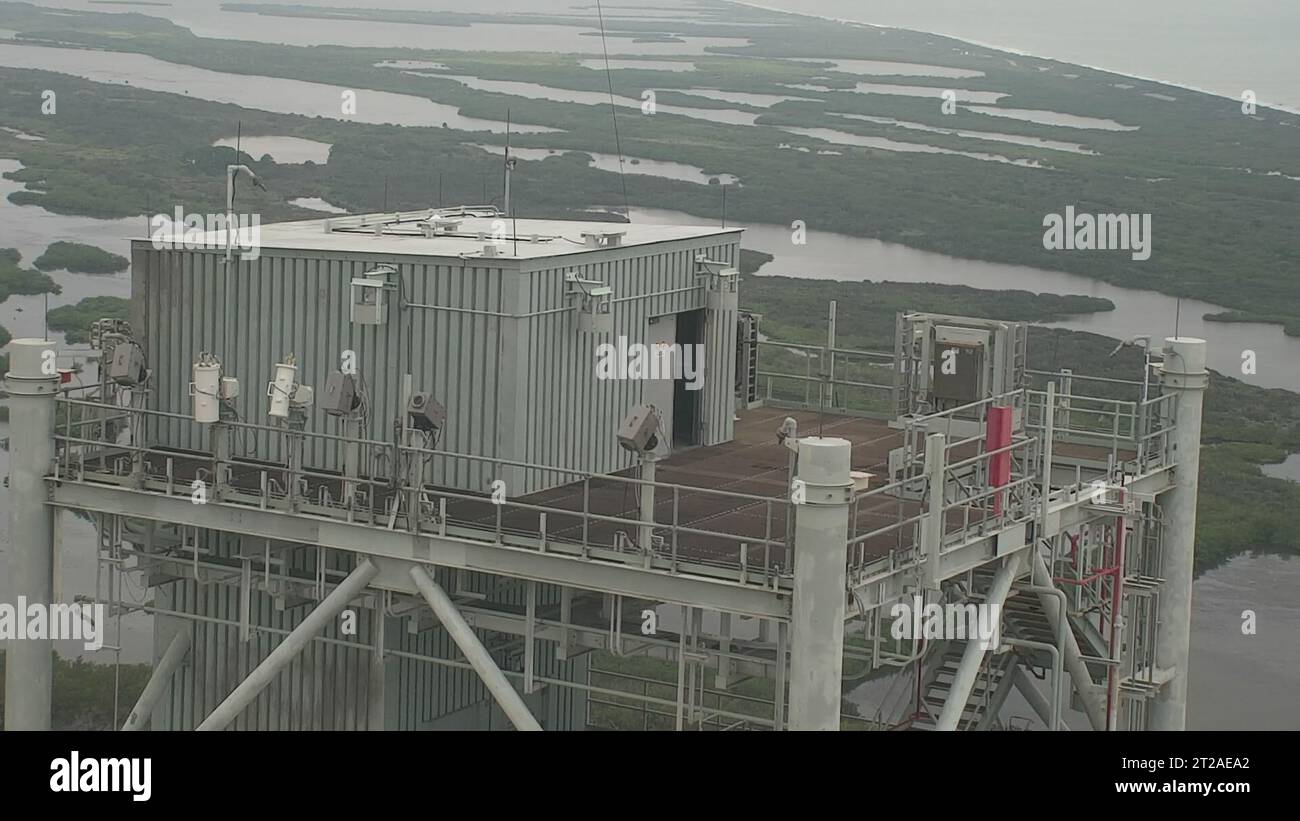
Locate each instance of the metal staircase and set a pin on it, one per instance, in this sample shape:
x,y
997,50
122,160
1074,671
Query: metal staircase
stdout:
x,y
987,696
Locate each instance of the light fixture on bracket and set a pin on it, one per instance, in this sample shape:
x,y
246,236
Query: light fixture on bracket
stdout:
x,y
593,300
370,295
722,283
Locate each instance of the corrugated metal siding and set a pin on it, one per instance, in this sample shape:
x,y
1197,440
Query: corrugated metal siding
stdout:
x,y
522,389
573,417
327,686
280,304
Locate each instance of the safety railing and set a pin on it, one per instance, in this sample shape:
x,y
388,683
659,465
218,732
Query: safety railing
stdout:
x,y
1125,435
973,504
586,516
840,380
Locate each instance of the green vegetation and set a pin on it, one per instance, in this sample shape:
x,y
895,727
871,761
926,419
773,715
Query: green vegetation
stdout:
x,y
642,678
74,320
80,259
83,693
1176,166
16,280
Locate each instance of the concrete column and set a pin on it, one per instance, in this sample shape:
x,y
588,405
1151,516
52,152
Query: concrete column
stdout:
x,y
29,666
1183,374
821,537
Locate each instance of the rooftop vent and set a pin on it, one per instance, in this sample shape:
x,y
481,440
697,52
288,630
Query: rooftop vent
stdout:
x,y
438,226
603,239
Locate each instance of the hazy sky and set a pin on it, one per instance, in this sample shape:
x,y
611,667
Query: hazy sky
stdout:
x,y
1224,47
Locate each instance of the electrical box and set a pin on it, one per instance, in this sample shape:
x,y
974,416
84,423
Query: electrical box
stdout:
x,y
370,298
599,319
340,396
426,413
957,373
723,294
639,431
127,368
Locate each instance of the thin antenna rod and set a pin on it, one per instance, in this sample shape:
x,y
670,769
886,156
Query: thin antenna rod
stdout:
x,y
234,184
613,112
505,169
1178,314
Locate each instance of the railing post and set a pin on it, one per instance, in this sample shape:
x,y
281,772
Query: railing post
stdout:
x,y
932,525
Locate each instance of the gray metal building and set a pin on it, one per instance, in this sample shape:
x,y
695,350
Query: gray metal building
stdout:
x,y
499,320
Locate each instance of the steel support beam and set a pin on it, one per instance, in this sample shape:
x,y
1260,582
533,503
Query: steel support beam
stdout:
x,y
156,688
1184,374
475,653
1087,689
823,491
29,663
243,695
552,567
1037,701
973,656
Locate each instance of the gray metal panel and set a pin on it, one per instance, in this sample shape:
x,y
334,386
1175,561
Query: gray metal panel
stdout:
x,y
279,304
572,417
327,686
517,388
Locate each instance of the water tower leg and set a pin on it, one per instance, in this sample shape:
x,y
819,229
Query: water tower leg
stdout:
x,y
1185,376
29,663
820,558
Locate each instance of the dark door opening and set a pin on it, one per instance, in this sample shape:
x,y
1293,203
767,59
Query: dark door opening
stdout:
x,y
687,403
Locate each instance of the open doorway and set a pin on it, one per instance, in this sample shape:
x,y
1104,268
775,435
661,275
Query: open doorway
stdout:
x,y
687,402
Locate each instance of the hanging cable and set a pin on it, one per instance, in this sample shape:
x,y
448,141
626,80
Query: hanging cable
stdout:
x,y
613,112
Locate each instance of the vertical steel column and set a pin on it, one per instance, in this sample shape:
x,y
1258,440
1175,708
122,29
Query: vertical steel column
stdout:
x,y
1183,373
29,666
820,560
647,529
376,684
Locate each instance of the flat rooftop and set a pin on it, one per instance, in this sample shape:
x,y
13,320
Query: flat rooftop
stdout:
x,y
404,234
